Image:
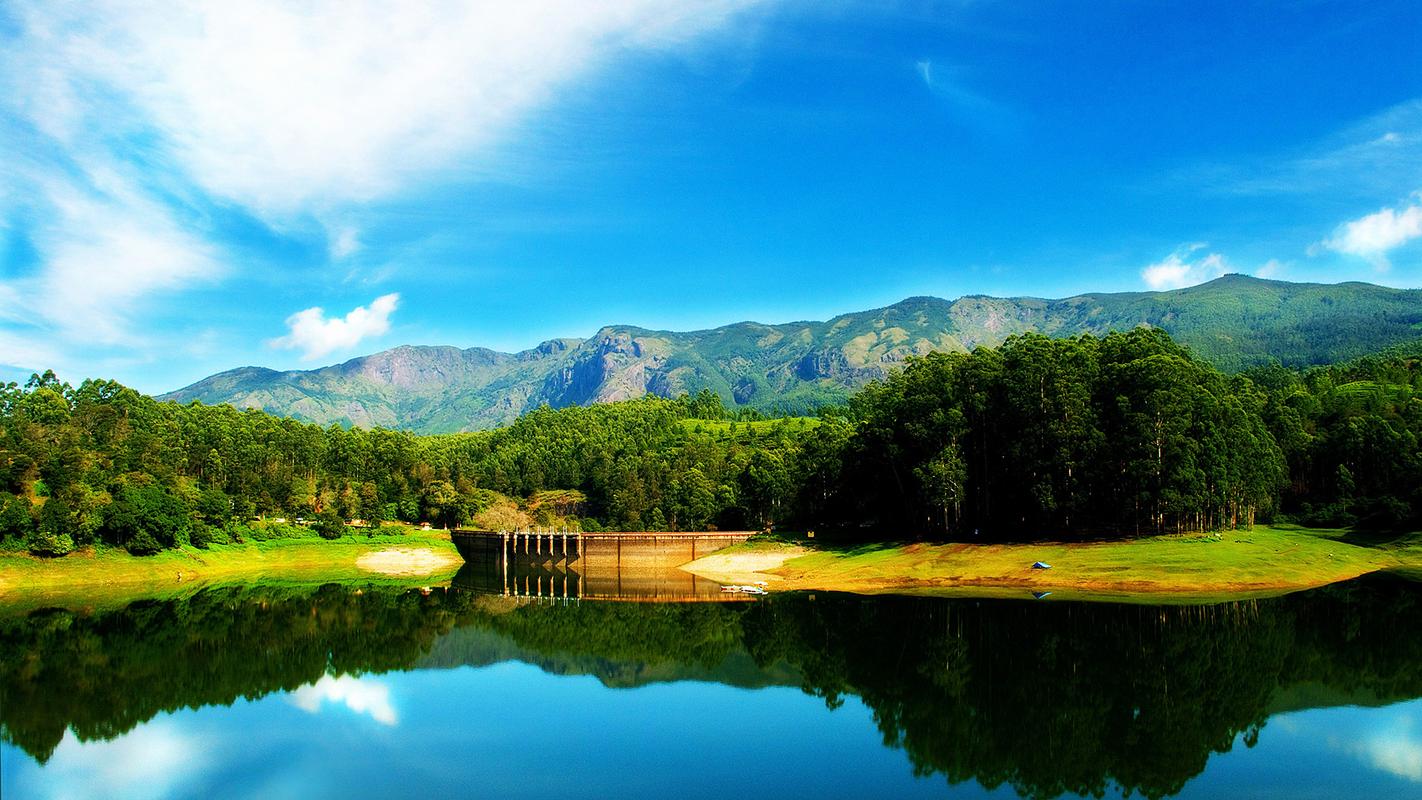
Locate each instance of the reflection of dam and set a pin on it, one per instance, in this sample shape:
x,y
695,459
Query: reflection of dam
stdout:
x,y
591,566
640,584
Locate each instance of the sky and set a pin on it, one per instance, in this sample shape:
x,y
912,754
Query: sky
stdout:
x,y
187,188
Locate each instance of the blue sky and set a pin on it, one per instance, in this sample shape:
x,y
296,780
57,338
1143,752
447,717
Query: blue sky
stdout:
x,y
187,190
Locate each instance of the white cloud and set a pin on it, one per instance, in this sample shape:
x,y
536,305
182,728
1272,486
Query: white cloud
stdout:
x,y
1378,156
925,71
361,695
1181,268
316,335
107,248
1401,757
945,83
288,108
152,760
106,253
1372,236
1273,268
1396,749
28,353
344,242
129,129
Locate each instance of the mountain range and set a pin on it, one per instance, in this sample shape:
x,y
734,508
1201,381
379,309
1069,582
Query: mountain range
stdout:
x,y
1235,321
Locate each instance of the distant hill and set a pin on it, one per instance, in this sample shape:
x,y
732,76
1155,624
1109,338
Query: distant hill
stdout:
x,y
1235,321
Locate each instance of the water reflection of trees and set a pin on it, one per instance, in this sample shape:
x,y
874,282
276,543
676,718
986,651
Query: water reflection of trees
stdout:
x,y
1047,698
103,674
1055,698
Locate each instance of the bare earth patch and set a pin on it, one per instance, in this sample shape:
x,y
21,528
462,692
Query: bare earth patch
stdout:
x,y
407,561
738,566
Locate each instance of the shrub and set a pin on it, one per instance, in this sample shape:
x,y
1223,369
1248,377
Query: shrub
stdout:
x,y
146,518
143,544
329,525
200,535
17,519
50,544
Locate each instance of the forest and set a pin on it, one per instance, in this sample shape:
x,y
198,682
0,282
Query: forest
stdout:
x,y
1128,434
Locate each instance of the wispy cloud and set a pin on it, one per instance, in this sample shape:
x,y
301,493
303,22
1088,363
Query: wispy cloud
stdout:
x,y
1273,268
153,760
291,108
973,108
316,335
1374,235
128,128
1184,268
361,695
1379,156
108,250
1395,749
344,242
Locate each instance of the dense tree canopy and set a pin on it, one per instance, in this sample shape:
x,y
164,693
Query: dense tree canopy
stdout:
x,y
1083,436
1126,434
1352,435
102,463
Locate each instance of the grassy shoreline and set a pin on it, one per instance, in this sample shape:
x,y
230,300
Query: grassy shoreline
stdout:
x,y
1186,568
93,576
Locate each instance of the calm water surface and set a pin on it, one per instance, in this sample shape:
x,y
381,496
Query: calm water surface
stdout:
x,y
347,691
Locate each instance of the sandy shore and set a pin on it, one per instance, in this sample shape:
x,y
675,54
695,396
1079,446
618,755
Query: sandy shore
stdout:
x,y
740,566
407,561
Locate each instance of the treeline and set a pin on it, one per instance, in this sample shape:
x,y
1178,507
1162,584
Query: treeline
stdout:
x,y
1083,436
1351,435
1126,434
101,463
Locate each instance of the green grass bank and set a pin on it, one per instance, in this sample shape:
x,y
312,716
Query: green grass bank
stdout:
x,y
1186,568
95,576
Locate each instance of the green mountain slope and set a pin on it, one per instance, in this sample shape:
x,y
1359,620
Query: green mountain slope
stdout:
x,y
1235,321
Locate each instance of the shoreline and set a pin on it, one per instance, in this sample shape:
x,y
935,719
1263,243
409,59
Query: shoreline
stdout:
x,y
1173,569
92,576
1179,568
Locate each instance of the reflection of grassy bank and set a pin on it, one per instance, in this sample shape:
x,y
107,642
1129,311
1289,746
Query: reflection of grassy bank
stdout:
x,y
1189,567
91,577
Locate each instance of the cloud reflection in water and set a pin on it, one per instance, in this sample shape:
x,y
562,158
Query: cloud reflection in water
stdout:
x,y
361,695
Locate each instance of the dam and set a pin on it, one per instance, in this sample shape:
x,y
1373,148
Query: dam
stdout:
x,y
638,566
653,549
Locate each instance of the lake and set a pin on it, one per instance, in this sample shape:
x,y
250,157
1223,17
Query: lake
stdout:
x,y
390,691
